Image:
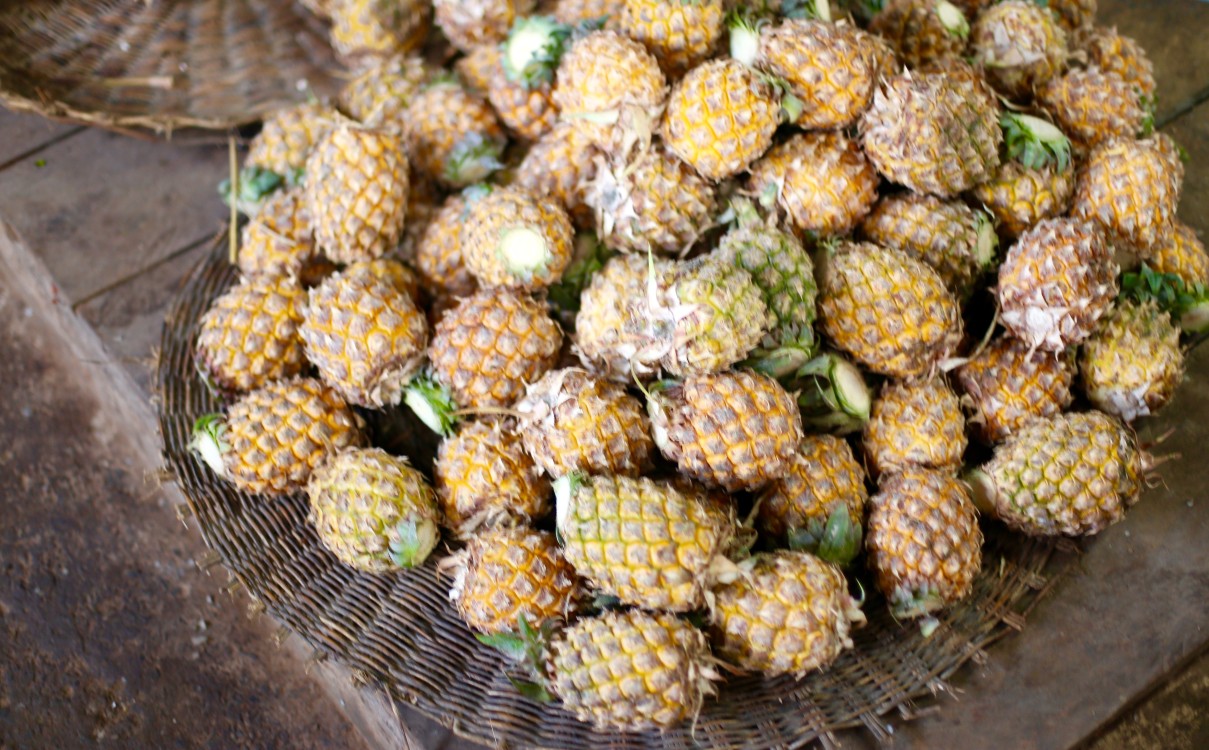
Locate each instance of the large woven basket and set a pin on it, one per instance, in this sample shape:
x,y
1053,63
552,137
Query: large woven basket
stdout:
x,y
160,64
401,630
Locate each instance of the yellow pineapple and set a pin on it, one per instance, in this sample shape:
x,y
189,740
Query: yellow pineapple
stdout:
x,y
680,33
272,438
1132,363
735,430
917,425
576,12
470,23
379,94
513,238
1184,255
1094,106
1129,190
373,511
617,334
356,192
278,240
478,67
922,31
1020,46
249,336
1037,179
379,27
439,252
504,575
485,479
453,136
561,164
1115,53
1007,385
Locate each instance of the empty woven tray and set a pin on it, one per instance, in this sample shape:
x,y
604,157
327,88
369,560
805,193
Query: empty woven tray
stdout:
x,y
401,630
160,64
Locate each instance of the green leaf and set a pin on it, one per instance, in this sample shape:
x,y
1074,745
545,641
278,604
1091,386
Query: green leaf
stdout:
x,y
841,540
531,690
405,548
509,644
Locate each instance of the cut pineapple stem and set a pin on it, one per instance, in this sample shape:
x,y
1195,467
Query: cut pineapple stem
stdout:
x,y
982,491
417,540
1195,319
952,19
851,392
209,442
744,41
988,242
525,47
564,488
524,251
432,404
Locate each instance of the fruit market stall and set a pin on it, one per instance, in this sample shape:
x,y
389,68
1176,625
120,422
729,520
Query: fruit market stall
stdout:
x,y
1088,606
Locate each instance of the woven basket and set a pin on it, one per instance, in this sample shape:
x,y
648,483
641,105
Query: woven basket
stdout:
x,y
160,64
400,629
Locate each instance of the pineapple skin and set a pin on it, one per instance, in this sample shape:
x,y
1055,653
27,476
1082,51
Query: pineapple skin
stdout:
x,y
379,27
471,23
1020,197
250,335
617,334
444,119
935,133
379,94
791,614
1115,53
822,477
915,425
357,188
507,574
1055,283
278,241
917,33
720,118
490,345
821,180
1020,46
287,138
364,335
575,12
923,542
560,165
889,311
735,430
1006,386
280,433
1129,190
646,543
1131,365
828,67
574,421
1071,475
680,35
485,479
439,258
1093,106
1183,256
631,671
508,209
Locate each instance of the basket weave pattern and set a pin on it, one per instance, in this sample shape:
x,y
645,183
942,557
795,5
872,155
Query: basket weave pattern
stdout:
x,y
160,64
401,630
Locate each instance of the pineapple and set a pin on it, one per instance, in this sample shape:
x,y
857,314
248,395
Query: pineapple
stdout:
x,y
277,241
616,333
922,31
653,202
249,336
470,23
681,34
891,312
923,542
1070,474
1128,189
484,351
577,12
1172,152
647,543
379,27
453,136
522,86
365,336
274,437
790,614
933,132
379,95
714,315
588,258
1184,255
393,272
1115,53
1094,106
439,256
286,139
611,88
1132,364
424,198
735,430
1007,385
720,117
513,238
628,671
818,504
478,67
571,421
784,274
485,480
830,69
821,180
1019,45
916,425
504,575
951,237
1036,181
356,192
1073,15
561,164
373,511
1055,283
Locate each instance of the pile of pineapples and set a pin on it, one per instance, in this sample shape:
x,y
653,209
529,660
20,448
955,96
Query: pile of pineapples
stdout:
x,y
705,298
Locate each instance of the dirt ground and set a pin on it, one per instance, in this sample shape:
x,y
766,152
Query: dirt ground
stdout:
x,y
110,635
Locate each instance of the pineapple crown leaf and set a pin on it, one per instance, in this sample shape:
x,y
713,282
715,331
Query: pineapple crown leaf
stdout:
x,y
591,256
415,540
253,184
473,194
473,159
784,360
841,539
533,49
1168,290
744,24
953,19
432,403
296,177
1150,108
531,690
811,10
444,79
1034,142
209,442
510,645
587,26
